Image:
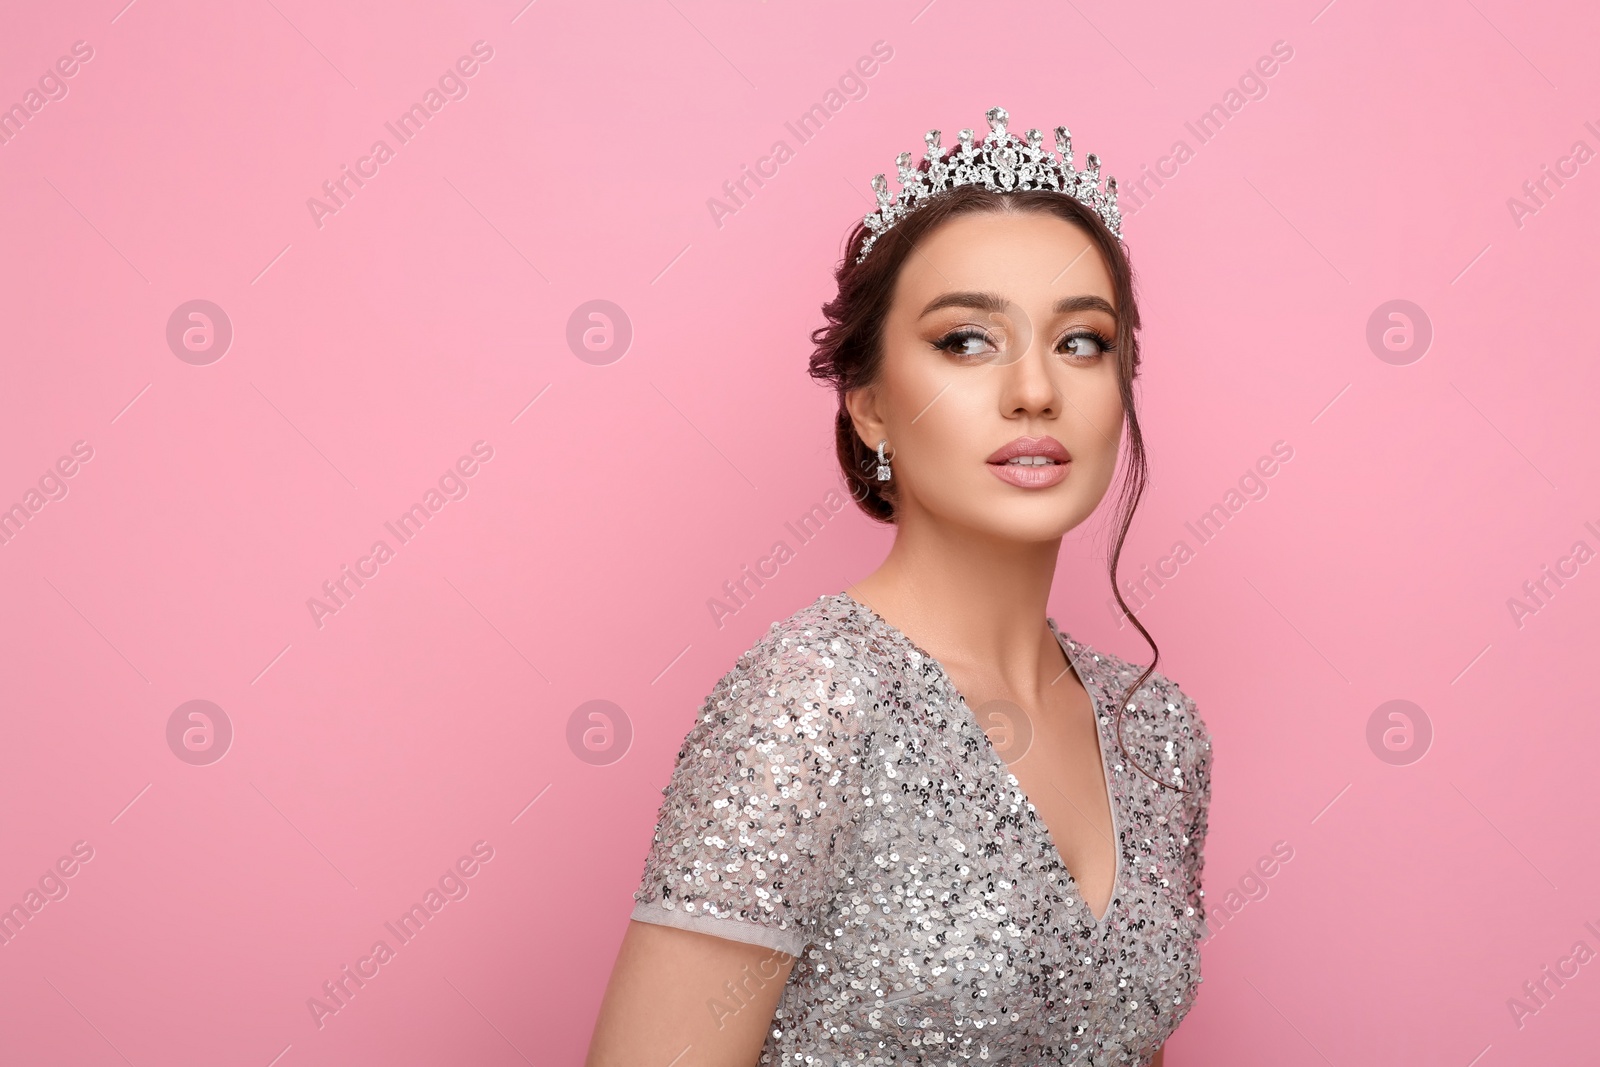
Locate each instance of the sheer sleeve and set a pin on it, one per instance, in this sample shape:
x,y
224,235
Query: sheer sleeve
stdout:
x,y
759,821
1197,811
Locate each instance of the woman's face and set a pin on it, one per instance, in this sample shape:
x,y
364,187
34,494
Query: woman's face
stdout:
x,y
998,389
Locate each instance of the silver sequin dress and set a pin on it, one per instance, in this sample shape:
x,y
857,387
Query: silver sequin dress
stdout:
x,y
837,800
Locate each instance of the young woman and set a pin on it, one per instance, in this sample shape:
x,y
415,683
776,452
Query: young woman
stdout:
x,y
847,868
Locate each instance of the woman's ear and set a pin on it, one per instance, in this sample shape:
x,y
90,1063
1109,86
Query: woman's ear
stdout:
x,y
862,404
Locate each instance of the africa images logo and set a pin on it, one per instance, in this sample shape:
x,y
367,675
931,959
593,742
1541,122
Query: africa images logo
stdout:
x,y
451,85
452,885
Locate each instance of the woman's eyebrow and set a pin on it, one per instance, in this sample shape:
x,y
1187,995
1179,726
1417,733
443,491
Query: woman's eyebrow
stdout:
x,y
980,301
997,303
1069,304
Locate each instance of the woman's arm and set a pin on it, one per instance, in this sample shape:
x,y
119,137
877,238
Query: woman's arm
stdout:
x,y
686,999
1155,1061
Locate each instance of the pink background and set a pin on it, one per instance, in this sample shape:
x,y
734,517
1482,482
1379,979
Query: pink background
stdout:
x,y
372,751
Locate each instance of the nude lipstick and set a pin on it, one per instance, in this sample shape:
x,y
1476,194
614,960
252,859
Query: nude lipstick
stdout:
x,y
1031,462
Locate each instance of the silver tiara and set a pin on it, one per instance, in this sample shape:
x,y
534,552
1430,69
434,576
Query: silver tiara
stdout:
x,y
1002,162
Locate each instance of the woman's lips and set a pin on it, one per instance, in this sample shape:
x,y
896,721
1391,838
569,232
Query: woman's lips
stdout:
x,y
1041,477
1035,475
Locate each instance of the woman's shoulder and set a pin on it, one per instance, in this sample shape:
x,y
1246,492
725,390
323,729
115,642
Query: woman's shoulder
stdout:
x,y
816,664
761,813
1160,720
824,637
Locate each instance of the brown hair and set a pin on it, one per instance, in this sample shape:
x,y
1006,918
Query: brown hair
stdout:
x,y
848,353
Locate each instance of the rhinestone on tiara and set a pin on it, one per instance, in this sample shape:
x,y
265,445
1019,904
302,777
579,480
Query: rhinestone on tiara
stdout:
x,y
1003,162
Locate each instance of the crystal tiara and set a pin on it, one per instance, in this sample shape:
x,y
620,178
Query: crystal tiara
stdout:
x,y
1002,162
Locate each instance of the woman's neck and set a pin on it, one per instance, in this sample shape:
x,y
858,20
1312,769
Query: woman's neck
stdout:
x,y
974,603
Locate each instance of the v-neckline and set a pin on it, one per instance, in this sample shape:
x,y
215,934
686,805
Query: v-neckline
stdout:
x,y
1085,679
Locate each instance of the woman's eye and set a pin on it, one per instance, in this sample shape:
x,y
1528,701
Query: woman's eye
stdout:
x,y
965,343
1083,346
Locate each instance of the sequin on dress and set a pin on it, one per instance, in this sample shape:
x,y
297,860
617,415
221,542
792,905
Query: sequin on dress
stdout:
x,y
837,800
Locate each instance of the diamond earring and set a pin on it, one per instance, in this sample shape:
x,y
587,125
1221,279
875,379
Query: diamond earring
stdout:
x,y
884,474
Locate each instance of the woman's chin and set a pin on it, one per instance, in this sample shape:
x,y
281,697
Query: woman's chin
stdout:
x,y
1033,519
